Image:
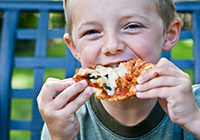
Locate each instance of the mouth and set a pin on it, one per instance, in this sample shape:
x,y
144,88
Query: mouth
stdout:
x,y
115,64
110,64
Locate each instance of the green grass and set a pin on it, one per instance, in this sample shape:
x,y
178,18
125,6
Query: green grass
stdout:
x,y
23,78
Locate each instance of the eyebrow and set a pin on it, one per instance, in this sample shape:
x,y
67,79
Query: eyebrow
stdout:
x,y
128,15
86,23
123,16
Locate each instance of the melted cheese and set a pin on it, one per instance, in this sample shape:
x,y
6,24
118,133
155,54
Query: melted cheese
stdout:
x,y
121,70
97,90
108,77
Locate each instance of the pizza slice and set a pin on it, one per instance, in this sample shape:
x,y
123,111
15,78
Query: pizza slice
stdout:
x,y
114,83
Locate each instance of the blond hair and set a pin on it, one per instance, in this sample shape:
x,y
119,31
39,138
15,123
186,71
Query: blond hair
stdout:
x,y
166,11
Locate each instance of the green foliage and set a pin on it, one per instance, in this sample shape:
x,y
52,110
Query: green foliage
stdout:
x,y
56,20
20,135
28,20
183,50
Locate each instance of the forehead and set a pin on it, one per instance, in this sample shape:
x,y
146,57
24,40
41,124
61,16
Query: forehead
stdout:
x,y
88,6
93,4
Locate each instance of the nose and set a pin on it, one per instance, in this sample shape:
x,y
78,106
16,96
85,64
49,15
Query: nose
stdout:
x,y
112,45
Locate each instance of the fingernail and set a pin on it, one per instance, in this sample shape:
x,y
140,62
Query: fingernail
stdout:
x,y
138,87
84,82
72,82
139,79
138,94
88,90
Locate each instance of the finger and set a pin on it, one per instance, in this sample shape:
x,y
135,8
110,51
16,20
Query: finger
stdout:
x,y
165,62
68,80
51,79
162,92
162,81
165,68
68,94
73,106
156,72
58,80
50,88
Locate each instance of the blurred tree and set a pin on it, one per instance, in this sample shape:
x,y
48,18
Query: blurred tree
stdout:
x,y
28,20
56,20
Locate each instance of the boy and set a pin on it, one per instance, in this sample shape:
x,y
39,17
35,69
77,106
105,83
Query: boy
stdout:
x,y
107,32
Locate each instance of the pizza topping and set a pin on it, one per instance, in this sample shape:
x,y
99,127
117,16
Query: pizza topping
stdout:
x,y
121,69
107,87
90,76
97,91
114,82
109,76
106,76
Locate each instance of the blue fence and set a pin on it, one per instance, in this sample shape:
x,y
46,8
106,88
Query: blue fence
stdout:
x,y
10,33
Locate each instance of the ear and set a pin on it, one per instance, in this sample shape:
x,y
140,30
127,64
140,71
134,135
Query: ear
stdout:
x,y
172,34
71,46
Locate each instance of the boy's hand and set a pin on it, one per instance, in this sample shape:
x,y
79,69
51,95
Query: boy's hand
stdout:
x,y
59,111
173,89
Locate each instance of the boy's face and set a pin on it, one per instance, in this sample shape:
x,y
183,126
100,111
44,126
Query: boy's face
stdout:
x,y
110,31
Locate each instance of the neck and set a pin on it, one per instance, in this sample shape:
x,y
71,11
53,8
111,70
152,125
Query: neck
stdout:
x,y
130,111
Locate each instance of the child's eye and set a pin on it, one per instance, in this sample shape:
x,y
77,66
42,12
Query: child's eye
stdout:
x,y
90,32
133,26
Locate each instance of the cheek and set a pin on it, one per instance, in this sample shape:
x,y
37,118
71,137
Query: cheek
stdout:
x,y
153,55
87,56
153,49
148,51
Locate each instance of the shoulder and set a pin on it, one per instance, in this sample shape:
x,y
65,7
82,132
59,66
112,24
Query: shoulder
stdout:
x,y
196,88
85,113
45,133
196,91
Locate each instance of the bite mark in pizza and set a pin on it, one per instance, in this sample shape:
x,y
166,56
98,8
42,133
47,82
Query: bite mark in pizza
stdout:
x,y
114,83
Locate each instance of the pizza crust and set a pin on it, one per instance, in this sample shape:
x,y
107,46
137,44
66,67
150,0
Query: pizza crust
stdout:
x,y
113,84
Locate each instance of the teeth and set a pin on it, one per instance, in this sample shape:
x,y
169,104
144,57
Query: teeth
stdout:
x,y
114,66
